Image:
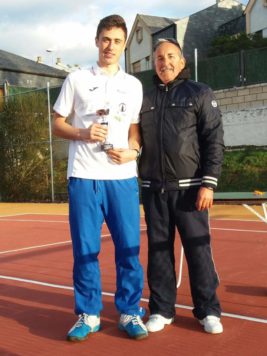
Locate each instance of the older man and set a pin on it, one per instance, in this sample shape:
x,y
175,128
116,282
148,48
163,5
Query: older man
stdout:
x,y
182,154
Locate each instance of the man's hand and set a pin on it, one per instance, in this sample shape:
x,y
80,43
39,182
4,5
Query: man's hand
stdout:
x,y
204,199
96,133
122,155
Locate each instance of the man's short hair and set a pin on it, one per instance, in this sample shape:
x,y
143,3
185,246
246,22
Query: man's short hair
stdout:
x,y
170,40
111,21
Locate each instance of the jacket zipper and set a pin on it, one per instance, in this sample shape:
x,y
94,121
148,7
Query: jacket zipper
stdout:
x,y
162,114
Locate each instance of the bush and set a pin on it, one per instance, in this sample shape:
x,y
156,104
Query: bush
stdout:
x,y
24,149
244,170
231,44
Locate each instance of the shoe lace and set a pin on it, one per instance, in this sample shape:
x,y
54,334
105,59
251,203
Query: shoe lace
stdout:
x,y
81,320
134,319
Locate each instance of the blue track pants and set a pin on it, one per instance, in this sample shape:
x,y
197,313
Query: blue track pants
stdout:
x,y
117,202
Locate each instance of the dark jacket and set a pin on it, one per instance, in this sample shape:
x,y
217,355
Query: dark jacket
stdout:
x,y
182,136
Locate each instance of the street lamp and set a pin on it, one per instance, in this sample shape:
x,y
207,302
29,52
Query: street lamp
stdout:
x,y
50,51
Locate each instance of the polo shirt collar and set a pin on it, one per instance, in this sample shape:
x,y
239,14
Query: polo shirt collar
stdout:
x,y
96,70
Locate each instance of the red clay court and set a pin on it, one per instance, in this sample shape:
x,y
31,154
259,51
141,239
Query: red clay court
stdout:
x,y
37,298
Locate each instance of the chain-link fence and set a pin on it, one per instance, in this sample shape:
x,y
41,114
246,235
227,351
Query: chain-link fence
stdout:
x,y
225,71
32,162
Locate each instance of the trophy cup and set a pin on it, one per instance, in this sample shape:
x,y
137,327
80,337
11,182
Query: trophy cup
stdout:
x,y
103,113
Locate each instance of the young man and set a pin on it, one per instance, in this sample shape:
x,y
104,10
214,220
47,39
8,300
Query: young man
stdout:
x,y
181,159
103,104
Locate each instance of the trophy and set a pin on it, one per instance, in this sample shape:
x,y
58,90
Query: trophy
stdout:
x,y
103,113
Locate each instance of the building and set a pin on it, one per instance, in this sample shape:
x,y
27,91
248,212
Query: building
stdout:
x,y
195,31
138,53
17,71
256,17
198,30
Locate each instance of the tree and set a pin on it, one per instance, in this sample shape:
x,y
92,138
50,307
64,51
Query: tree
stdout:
x,y
230,44
24,148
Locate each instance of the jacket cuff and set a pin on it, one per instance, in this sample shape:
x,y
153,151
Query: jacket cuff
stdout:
x,y
209,182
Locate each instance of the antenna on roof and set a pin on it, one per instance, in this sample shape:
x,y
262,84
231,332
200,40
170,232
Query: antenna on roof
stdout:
x,y
50,51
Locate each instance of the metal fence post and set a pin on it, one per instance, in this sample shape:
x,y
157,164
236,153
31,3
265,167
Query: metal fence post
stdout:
x,y
242,67
196,60
50,143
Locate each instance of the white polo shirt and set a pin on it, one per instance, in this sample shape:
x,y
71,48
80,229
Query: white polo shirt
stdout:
x,y
82,94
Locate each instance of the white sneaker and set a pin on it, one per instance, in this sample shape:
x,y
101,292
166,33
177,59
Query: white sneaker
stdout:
x,y
133,325
212,324
85,325
157,322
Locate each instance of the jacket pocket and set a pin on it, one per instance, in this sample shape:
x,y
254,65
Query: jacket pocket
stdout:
x,y
181,114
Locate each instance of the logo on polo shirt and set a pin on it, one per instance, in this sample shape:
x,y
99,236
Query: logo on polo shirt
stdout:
x,y
122,107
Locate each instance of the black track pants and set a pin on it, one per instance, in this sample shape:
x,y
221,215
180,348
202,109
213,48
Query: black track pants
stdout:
x,y
163,213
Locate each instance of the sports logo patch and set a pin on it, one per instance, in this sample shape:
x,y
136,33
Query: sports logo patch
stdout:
x,y
214,103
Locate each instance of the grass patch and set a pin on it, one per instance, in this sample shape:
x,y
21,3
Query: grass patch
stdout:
x,y
244,170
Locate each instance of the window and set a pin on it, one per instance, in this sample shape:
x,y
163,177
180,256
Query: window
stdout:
x,y
147,62
139,34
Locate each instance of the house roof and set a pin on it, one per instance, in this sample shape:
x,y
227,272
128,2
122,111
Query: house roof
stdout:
x,y
249,6
151,23
14,63
155,23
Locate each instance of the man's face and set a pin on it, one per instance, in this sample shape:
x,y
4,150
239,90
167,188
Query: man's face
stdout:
x,y
169,61
111,44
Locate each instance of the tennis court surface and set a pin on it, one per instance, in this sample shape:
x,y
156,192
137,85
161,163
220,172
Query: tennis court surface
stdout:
x,y
36,308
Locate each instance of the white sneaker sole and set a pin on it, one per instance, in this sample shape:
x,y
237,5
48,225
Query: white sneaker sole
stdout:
x,y
214,331
161,326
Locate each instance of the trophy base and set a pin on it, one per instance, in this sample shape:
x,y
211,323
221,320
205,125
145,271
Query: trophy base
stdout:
x,y
107,146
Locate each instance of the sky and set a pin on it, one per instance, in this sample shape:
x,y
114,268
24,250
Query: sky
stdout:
x,y
66,28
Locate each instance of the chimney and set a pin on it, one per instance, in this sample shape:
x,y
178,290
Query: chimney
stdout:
x,y
39,59
58,62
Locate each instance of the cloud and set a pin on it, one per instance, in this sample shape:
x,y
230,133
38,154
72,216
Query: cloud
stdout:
x,y
35,11
29,27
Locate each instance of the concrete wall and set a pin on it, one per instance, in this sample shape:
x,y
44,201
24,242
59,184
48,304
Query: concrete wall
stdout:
x,y
244,111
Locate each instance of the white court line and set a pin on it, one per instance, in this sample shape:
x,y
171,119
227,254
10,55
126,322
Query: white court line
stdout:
x,y
142,226
23,214
59,286
228,229
10,215
106,235
34,247
242,220
255,212
264,207
5,218
41,246
46,245
142,216
35,220
239,230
